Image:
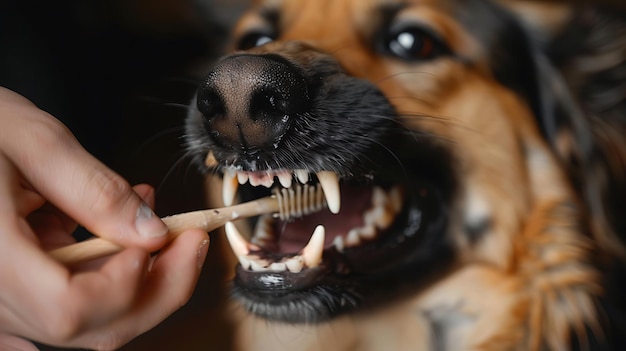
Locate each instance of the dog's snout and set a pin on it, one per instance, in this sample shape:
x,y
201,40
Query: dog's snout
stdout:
x,y
249,101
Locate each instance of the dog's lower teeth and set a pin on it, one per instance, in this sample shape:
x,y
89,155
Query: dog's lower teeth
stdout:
x,y
295,264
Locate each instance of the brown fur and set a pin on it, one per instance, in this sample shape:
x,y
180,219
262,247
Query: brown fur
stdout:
x,y
531,282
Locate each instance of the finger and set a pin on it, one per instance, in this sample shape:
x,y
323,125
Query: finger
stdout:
x,y
13,343
168,286
72,305
52,160
146,193
52,227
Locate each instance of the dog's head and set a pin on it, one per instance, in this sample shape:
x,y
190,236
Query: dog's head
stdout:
x,y
453,140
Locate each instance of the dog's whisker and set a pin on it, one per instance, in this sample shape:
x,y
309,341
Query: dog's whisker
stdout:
x,y
186,156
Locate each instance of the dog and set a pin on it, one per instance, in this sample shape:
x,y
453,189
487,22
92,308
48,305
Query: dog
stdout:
x,y
473,159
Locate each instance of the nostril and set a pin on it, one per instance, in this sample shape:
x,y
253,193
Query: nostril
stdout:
x,y
269,105
210,103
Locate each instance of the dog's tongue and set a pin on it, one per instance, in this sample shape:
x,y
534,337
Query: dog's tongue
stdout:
x,y
296,233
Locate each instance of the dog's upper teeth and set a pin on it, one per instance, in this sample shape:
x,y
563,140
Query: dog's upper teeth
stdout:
x,y
329,182
242,177
229,188
330,185
210,160
285,179
302,175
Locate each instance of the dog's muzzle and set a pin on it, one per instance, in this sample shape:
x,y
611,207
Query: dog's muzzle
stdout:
x,y
271,120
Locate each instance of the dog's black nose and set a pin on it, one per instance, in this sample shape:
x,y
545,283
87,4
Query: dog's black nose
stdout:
x,y
249,101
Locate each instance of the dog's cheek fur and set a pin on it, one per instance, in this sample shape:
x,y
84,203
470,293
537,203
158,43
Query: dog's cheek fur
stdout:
x,y
490,125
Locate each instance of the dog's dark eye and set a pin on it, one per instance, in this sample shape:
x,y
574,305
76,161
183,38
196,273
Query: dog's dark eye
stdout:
x,y
254,39
410,42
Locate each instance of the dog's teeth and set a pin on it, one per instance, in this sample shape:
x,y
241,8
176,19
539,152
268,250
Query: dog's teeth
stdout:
x,y
330,185
338,242
367,232
353,238
242,177
210,160
395,198
268,179
278,267
379,197
258,266
236,241
285,179
295,264
229,188
244,261
302,175
312,252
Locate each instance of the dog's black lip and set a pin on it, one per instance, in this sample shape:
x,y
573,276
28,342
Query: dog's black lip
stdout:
x,y
279,282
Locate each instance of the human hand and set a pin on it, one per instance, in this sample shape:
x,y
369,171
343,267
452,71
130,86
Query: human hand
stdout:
x,y
48,183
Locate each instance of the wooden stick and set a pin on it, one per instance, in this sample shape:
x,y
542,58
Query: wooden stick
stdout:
x,y
207,220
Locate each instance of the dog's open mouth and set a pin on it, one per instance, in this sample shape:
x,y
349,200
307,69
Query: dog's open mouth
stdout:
x,y
387,186
370,228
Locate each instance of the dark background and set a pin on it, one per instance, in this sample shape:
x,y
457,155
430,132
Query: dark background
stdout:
x,y
119,74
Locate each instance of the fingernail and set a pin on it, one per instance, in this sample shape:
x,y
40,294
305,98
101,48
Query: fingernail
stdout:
x,y
148,224
202,251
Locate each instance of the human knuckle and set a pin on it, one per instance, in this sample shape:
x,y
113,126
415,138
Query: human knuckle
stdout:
x,y
50,132
111,190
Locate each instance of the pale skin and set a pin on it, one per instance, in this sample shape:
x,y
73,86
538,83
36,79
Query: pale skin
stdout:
x,y
48,184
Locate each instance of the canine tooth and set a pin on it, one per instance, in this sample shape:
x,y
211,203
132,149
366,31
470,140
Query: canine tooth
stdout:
x,y
353,238
330,185
295,264
242,177
312,252
278,267
338,242
229,188
210,160
236,241
244,261
263,228
302,175
285,179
